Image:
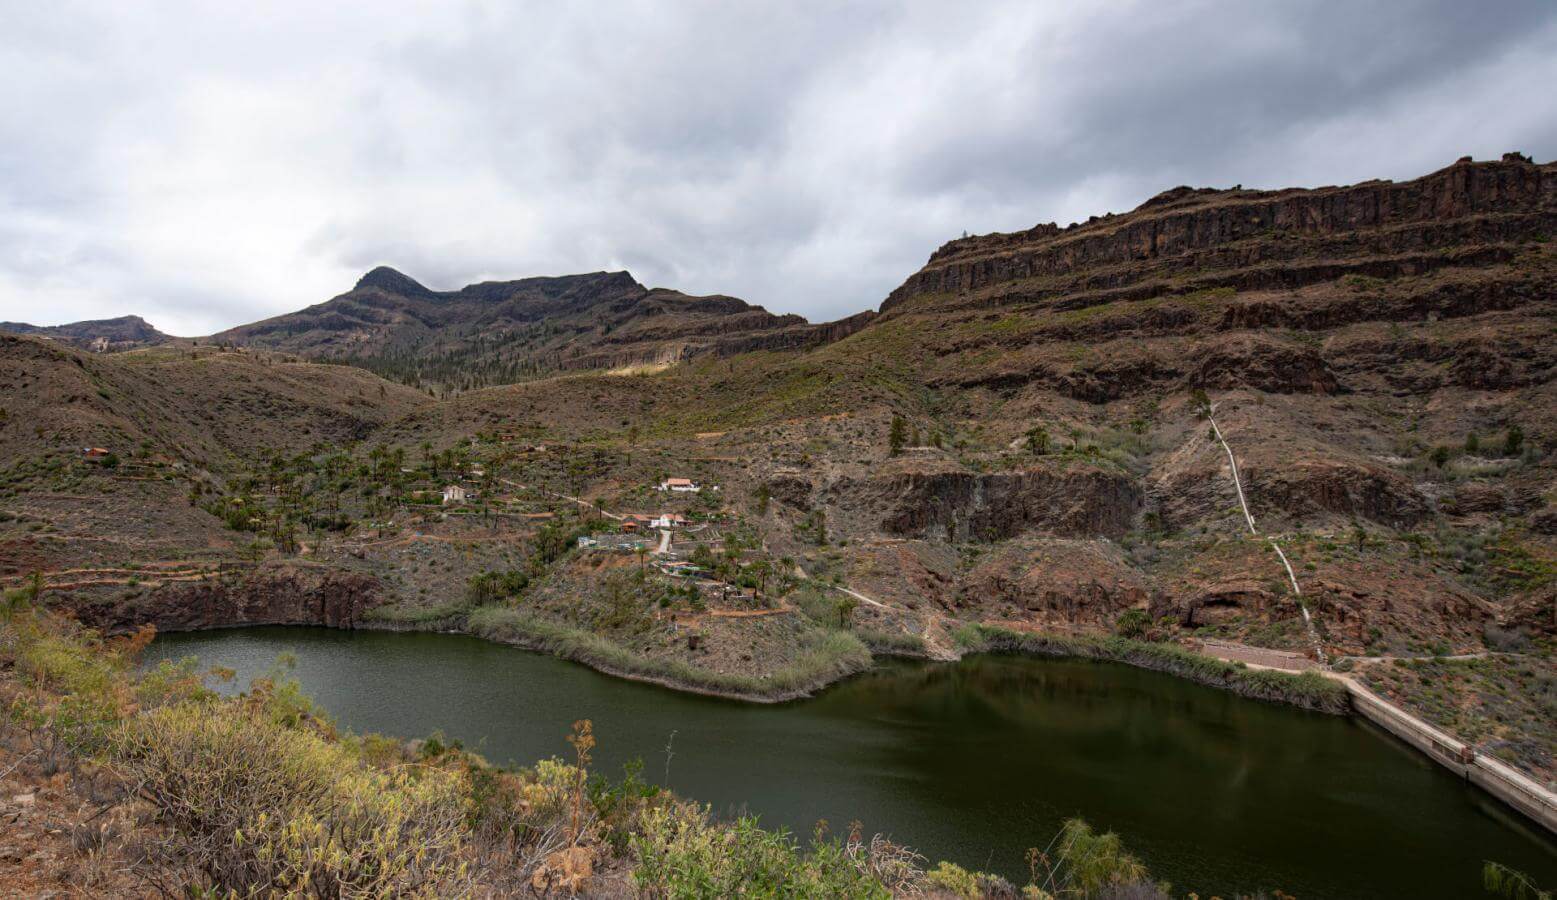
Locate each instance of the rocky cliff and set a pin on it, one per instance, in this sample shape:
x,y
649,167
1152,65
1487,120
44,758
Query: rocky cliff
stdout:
x,y
1270,238
276,595
951,505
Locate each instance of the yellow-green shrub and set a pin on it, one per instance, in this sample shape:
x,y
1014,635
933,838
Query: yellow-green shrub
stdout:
x,y
681,853
955,879
80,692
259,807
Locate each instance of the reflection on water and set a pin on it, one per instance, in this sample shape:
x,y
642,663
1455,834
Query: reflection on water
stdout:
x,y
973,762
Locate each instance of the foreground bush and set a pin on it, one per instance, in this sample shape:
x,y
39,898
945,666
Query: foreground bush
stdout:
x,y
680,853
257,807
259,796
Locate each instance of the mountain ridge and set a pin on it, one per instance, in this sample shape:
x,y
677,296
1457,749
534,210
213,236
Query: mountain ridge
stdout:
x,y
120,333
488,332
1018,440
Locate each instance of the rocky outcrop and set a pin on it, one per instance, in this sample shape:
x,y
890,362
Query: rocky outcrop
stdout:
x,y
790,490
282,595
957,505
1534,612
801,337
1227,599
1263,363
1498,200
1318,486
1356,601
1055,582
1475,497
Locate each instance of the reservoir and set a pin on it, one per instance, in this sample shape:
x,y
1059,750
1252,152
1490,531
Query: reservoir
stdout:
x,y
972,762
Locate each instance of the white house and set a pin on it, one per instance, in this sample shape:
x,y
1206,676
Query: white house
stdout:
x,y
668,520
680,485
453,494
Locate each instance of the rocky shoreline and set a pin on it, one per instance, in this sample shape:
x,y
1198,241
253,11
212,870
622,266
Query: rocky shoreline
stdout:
x,y
306,595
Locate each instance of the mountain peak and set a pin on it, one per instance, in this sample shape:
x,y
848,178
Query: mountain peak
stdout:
x,y
392,281
123,330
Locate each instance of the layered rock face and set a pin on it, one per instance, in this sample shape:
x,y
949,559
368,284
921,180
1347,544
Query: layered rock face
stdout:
x,y
1186,229
948,505
1356,342
1222,289
282,595
1371,352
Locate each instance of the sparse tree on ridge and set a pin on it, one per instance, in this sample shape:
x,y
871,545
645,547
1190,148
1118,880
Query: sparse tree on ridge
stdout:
x,y
897,435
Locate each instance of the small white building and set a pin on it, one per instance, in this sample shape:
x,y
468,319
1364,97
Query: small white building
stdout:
x,y
680,485
453,493
668,520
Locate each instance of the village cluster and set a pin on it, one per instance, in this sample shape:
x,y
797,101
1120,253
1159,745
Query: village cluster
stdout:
x,y
664,538
683,535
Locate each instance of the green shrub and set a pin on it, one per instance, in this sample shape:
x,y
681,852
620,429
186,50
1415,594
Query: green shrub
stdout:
x,y
1132,623
680,853
263,808
823,659
1308,689
955,879
1088,864
891,643
1514,441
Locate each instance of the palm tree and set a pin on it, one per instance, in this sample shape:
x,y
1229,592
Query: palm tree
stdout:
x,y
845,608
1511,883
1088,863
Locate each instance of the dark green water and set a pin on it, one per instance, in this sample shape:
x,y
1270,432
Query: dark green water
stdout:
x,y
972,762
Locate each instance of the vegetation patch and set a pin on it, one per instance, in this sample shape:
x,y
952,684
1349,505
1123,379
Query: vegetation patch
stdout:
x,y
1308,689
1505,704
827,657
261,795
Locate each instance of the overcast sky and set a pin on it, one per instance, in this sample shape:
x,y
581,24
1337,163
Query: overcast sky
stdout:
x,y
206,164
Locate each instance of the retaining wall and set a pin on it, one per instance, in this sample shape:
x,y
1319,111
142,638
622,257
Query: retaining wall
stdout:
x,y
1492,776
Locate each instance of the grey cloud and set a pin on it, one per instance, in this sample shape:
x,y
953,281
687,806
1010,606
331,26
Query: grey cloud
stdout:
x,y
204,166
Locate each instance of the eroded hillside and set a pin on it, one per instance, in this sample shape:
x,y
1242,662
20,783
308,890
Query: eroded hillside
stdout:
x,y
500,332
1020,438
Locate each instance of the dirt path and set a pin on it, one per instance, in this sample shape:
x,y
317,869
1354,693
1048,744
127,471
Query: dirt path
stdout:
x,y
1458,656
748,613
153,582
416,537
580,501
149,575
859,596
694,618
1263,657
167,567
